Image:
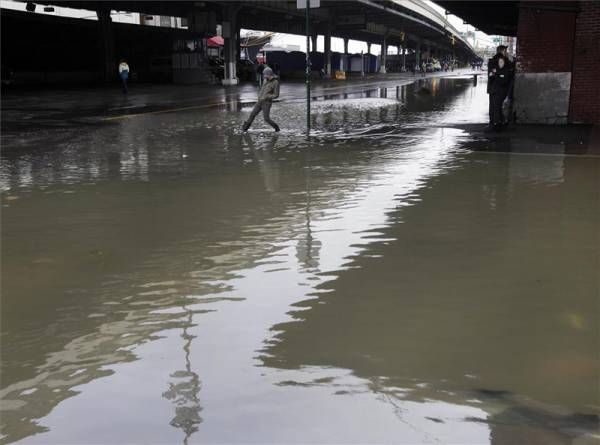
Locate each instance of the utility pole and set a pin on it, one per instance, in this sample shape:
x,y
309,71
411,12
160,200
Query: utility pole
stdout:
x,y
307,67
307,4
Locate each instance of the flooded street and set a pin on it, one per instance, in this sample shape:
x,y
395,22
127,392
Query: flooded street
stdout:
x,y
391,279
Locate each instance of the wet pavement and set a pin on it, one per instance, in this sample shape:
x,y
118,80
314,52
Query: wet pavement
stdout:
x,y
401,276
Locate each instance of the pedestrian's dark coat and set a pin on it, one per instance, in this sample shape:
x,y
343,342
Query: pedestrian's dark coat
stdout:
x,y
269,90
492,65
501,80
499,84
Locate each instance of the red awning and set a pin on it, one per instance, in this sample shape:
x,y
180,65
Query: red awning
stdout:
x,y
215,41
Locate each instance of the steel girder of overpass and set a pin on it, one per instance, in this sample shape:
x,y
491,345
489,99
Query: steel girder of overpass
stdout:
x,y
406,23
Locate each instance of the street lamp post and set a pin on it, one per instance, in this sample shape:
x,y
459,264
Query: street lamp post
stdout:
x,y
307,67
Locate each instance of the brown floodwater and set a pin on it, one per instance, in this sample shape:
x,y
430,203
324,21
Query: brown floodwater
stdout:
x,y
392,279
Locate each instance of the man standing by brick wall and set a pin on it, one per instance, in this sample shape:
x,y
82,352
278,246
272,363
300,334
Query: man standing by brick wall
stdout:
x,y
501,52
492,67
500,85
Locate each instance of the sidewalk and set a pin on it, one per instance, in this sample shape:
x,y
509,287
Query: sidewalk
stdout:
x,y
534,139
109,102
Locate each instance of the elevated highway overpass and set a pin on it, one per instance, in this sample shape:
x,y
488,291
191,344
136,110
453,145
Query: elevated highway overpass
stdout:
x,y
410,25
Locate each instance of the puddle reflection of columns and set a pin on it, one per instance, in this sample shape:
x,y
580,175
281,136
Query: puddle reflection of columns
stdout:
x,y
133,141
307,249
268,167
383,114
233,103
184,390
328,122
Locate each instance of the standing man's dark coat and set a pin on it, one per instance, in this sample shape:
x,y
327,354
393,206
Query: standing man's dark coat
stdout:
x,y
492,67
499,86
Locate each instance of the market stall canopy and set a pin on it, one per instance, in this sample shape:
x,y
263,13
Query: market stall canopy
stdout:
x,y
215,41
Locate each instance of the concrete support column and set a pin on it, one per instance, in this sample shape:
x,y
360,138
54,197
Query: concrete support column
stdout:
x,y
328,71
418,54
346,58
313,40
383,58
231,45
238,40
404,49
109,67
362,64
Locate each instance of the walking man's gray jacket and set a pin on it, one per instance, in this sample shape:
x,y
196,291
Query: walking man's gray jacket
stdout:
x,y
269,91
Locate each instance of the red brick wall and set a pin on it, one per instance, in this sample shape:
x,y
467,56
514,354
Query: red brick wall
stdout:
x,y
545,38
585,83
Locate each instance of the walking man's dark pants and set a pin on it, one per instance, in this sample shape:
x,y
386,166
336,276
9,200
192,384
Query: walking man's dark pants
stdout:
x,y
124,84
265,106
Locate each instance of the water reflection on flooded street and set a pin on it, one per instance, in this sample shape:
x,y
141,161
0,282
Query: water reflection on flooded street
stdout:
x,y
168,279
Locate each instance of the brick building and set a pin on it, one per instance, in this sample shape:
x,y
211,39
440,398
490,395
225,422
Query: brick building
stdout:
x,y
585,88
558,62
558,55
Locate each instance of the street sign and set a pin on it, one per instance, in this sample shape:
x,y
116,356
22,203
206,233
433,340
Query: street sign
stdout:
x,y
301,4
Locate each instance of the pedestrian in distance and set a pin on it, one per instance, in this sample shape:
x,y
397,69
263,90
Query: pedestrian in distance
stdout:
x,y
124,75
499,85
276,69
259,73
266,95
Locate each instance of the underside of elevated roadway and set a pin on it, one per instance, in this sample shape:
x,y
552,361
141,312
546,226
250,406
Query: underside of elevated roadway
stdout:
x,y
404,24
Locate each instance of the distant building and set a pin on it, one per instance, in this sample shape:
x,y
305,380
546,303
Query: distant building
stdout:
x,y
164,21
285,48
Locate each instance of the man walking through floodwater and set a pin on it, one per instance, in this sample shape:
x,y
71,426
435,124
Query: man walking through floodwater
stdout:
x,y
268,92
